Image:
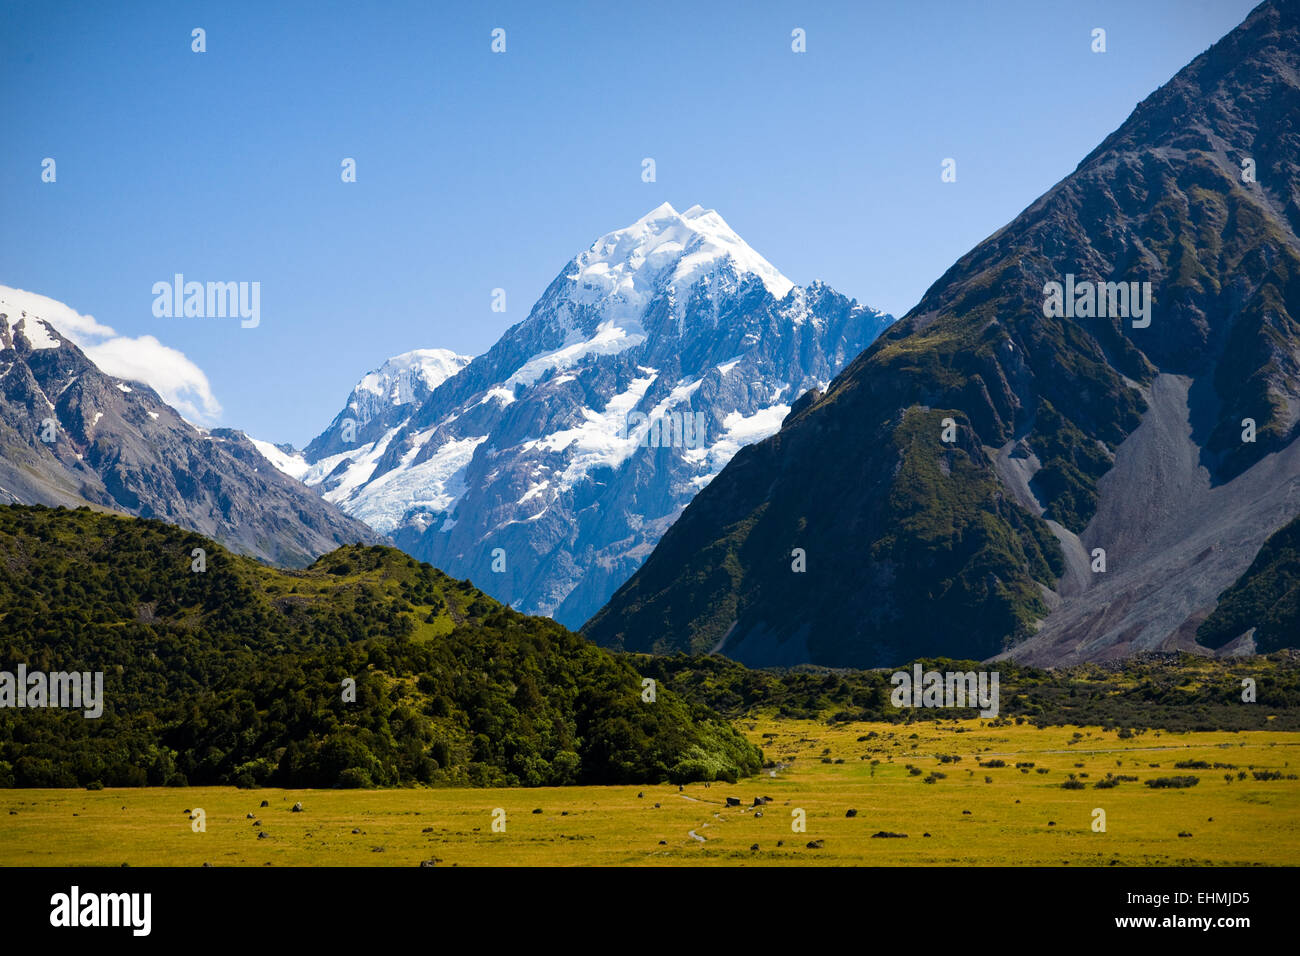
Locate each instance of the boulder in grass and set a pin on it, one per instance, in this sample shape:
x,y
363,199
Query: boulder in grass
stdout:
x,y
885,834
733,801
296,808
851,813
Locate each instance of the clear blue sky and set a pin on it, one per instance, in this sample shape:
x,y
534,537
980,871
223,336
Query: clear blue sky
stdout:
x,y
478,170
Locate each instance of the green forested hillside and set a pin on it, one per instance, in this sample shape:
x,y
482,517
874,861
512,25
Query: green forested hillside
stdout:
x,y
1177,692
1266,597
235,674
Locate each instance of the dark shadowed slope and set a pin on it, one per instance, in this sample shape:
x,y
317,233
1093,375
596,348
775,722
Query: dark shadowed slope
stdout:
x,y
1072,433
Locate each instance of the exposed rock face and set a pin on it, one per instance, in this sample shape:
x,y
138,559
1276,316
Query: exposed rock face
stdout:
x,y
117,446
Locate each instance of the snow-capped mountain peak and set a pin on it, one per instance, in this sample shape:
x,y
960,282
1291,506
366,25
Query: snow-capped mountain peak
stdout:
x,y
564,447
395,382
664,249
403,380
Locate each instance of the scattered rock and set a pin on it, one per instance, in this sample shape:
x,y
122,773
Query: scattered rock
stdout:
x,y
296,808
925,834
261,834
733,801
965,813
816,844
425,830
538,810
851,813
656,806
1184,834
753,848
1051,823
882,834
663,842
428,863
640,795
355,830
248,816
265,803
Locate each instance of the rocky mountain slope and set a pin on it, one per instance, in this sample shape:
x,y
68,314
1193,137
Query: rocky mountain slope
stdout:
x,y
547,468
1072,430
71,435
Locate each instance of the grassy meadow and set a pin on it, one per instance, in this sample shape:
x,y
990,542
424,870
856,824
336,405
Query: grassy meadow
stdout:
x,y
975,813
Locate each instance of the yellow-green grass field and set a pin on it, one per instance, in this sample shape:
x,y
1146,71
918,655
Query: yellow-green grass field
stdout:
x,y
1021,817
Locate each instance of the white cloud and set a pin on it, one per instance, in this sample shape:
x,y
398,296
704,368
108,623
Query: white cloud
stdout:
x,y
179,382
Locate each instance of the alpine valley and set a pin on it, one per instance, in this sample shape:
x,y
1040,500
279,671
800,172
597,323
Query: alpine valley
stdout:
x,y
546,469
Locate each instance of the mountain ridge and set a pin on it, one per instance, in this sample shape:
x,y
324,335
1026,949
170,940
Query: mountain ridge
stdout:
x,y
990,529
72,435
